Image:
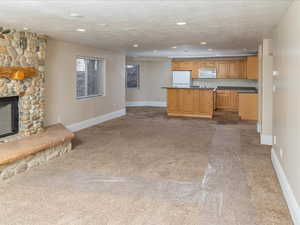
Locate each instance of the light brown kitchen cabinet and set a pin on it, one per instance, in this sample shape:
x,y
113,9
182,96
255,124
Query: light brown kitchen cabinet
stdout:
x,y
252,68
203,102
227,100
248,106
182,65
202,64
234,100
196,66
190,102
215,100
231,69
172,100
236,69
223,99
222,69
186,101
242,68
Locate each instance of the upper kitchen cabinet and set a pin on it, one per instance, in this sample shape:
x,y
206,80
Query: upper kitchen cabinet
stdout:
x,y
204,64
222,69
182,65
236,69
231,69
252,68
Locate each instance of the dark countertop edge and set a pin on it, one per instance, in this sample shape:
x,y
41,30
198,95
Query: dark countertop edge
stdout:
x,y
189,88
237,88
248,92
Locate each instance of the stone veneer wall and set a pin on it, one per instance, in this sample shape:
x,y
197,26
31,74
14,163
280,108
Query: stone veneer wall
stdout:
x,y
30,90
20,166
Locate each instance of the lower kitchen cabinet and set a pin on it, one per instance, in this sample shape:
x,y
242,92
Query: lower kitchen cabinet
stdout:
x,y
248,106
190,102
227,100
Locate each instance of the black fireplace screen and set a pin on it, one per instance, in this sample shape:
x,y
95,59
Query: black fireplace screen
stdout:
x,y
9,116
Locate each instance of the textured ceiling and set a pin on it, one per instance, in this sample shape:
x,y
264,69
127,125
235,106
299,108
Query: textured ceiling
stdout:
x,y
228,26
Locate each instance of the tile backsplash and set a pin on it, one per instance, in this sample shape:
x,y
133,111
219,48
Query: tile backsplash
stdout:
x,y
224,82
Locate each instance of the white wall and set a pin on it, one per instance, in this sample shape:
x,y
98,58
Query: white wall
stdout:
x,y
259,87
154,74
286,122
61,104
266,92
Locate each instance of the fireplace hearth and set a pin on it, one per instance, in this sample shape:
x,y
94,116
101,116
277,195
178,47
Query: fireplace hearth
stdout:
x,y
9,116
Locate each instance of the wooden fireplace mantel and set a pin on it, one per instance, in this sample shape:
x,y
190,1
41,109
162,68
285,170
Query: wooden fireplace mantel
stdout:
x,y
18,73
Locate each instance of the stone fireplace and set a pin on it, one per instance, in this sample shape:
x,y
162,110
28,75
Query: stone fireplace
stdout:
x,y
9,116
31,102
24,141
24,50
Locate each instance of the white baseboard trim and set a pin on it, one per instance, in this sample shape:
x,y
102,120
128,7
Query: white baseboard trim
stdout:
x,y
286,189
258,127
96,120
153,104
266,139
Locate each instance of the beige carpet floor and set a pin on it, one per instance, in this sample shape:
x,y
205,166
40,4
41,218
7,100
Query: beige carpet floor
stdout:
x,y
148,169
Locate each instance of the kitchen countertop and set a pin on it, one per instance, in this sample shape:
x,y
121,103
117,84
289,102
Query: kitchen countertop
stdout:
x,y
188,87
239,89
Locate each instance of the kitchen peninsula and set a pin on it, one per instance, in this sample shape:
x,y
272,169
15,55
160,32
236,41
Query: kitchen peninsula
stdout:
x,y
190,102
184,98
203,102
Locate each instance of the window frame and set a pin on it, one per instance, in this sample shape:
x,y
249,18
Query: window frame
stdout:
x,y
138,75
102,79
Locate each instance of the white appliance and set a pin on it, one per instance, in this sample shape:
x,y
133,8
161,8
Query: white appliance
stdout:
x,y
207,73
181,78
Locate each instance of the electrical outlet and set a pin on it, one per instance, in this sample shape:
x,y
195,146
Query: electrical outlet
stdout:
x,y
281,153
274,88
274,140
58,119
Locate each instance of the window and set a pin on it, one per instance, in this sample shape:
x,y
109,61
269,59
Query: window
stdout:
x,y
89,77
133,76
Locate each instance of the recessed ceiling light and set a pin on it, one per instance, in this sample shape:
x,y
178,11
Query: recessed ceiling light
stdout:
x,y
103,24
174,47
25,28
135,45
203,43
210,49
80,30
75,15
181,23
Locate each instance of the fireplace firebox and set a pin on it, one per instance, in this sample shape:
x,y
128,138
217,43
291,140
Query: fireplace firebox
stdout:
x,y
9,116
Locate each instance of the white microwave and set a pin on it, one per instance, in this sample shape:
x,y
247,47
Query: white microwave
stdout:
x,y
207,73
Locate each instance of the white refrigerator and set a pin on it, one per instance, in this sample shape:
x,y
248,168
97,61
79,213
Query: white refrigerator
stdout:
x,y
181,78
